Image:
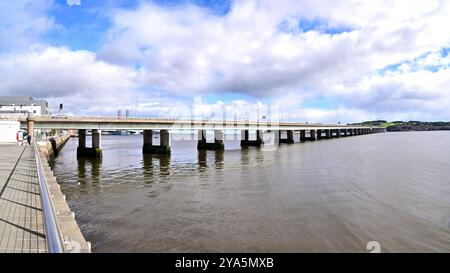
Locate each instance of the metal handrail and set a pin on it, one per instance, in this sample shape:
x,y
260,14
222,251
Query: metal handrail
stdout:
x,y
54,242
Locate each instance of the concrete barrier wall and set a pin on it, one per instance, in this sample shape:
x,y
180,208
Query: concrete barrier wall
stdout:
x,y
51,147
73,239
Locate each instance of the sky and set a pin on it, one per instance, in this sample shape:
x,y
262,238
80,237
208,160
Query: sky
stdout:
x,y
307,60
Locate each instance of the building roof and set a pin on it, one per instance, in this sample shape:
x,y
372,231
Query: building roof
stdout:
x,y
17,100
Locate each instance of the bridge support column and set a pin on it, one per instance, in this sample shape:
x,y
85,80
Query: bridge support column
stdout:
x,y
344,132
218,141
164,143
30,124
302,135
289,137
164,135
148,140
269,138
328,133
94,151
96,138
338,132
82,138
319,134
312,135
245,142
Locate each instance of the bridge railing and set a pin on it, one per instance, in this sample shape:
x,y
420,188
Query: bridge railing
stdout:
x,y
12,117
54,241
158,119
183,121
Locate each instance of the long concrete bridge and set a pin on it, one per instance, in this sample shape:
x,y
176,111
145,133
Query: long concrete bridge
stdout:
x,y
34,214
266,132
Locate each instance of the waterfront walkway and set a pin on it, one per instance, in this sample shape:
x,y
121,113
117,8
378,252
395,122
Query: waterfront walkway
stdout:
x,y
21,218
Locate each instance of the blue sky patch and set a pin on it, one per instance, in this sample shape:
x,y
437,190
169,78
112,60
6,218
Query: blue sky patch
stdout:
x,y
83,27
306,25
413,63
319,102
218,7
322,26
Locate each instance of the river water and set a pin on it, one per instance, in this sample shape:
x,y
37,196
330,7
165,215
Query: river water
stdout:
x,y
325,196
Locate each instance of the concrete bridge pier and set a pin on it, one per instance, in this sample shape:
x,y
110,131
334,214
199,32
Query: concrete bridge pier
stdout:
x,y
245,142
338,132
216,145
328,134
318,134
289,137
270,138
344,132
312,135
302,135
94,151
30,124
164,143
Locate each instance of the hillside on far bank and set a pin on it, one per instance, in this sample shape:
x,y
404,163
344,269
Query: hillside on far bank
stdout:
x,y
408,125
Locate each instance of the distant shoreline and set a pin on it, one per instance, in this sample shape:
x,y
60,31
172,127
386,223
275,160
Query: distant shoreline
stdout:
x,y
407,128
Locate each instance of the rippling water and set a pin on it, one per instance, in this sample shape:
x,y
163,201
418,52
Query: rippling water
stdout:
x,y
325,196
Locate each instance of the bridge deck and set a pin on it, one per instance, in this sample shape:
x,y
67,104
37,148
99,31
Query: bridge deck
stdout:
x,y
21,219
141,123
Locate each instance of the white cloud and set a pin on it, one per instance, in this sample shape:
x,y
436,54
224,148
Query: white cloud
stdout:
x,y
23,22
77,77
73,2
188,49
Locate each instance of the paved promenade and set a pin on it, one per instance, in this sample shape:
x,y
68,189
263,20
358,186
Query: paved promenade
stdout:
x,y
21,219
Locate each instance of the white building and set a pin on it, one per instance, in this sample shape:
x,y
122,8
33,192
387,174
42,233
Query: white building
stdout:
x,y
22,106
8,131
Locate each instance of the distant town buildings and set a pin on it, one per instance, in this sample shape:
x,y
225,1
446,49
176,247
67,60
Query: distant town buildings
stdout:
x,y
22,106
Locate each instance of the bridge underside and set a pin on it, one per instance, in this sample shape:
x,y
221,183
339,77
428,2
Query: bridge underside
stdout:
x,y
277,133
263,137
